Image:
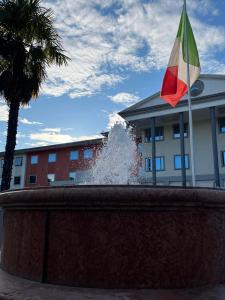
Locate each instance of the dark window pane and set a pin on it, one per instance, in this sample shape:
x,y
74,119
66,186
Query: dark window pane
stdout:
x,y
17,180
223,158
159,134
51,177
33,179
176,130
72,176
147,135
222,125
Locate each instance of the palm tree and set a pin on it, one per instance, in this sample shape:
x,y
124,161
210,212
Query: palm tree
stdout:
x,y
29,43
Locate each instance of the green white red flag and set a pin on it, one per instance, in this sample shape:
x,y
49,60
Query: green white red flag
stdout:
x,y
175,82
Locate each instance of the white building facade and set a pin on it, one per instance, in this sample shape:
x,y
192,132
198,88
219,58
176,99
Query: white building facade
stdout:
x,y
169,147
18,171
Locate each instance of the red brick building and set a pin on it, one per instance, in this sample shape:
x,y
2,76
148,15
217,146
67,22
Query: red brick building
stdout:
x,y
60,164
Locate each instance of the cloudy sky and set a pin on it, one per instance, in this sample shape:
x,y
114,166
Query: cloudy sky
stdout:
x,y
119,50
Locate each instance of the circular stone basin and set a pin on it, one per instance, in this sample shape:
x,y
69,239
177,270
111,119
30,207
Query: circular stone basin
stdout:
x,y
115,236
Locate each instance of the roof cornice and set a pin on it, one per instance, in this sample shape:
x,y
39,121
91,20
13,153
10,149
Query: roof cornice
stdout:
x,y
182,103
58,146
134,106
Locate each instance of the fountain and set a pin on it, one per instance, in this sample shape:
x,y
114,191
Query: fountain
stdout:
x,y
117,161
115,236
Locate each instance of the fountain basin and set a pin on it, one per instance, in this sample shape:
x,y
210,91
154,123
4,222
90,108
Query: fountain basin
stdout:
x,y
115,236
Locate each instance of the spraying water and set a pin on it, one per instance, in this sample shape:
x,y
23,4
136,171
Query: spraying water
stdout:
x,y
116,163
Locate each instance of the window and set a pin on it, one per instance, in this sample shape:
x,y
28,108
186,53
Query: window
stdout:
x,y
223,158
159,161
222,125
176,130
159,134
17,180
33,179
18,161
74,155
177,162
72,176
2,162
88,153
51,177
52,157
34,159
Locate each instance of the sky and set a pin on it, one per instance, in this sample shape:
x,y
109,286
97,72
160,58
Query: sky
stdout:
x,y
119,50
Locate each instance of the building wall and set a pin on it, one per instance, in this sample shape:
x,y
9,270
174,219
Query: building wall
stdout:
x,y
203,155
18,171
61,167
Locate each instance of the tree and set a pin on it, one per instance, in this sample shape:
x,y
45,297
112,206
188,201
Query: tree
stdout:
x,y
29,44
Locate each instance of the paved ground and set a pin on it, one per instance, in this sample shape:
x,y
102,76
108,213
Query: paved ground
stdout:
x,y
19,289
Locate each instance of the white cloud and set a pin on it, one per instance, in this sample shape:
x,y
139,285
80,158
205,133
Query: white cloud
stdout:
x,y
20,135
4,112
54,130
27,122
54,136
37,144
51,137
105,39
131,35
124,98
114,118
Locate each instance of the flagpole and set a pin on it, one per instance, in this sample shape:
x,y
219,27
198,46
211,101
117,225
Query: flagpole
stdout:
x,y
189,101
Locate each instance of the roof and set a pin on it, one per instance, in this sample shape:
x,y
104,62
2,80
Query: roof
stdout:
x,y
156,95
59,146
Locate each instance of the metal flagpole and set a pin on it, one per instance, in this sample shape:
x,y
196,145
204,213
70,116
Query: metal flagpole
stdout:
x,y
189,100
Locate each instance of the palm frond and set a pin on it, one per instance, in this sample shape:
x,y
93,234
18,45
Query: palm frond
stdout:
x,y
29,43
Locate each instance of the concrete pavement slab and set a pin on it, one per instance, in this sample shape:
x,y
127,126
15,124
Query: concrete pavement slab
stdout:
x,y
14,288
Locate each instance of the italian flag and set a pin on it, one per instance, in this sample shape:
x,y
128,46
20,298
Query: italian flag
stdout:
x,y
175,83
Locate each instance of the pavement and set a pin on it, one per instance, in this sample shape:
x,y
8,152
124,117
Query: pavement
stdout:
x,y
12,287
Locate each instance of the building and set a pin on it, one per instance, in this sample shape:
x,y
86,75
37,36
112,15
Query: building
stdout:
x,y
62,164
170,150
18,171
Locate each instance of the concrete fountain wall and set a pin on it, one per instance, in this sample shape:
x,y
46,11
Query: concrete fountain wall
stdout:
x,y
115,236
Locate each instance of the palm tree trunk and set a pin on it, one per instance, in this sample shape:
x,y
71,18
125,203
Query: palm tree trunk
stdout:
x,y
10,145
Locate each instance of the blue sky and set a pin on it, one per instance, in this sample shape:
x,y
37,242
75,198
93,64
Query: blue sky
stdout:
x,y
119,50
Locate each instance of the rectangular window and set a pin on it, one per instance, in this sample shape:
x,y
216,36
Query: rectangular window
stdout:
x,y
88,153
17,180
18,161
72,176
74,155
52,157
159,134
2,162
34,159
222,125
51,177
33,179
159,161
176,130
223,158
177,162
